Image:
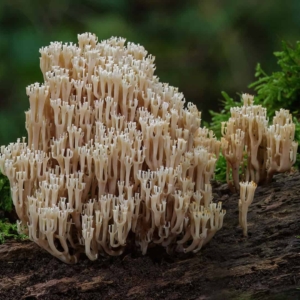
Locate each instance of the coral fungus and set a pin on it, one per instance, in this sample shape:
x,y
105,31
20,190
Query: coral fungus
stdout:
x,y
112,154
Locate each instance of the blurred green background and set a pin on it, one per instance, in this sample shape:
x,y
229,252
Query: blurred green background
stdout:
x,y
202,47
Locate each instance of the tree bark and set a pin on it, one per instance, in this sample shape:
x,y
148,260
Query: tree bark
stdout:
x,y
265,265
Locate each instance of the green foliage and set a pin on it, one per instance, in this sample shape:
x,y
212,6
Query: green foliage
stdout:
x,y
281,88
9,231
220,172
6,203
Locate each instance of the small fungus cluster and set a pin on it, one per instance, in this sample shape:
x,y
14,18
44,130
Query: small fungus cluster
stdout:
x,y
113,156
253,150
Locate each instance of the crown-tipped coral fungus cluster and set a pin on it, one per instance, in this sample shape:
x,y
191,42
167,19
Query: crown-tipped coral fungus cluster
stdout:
x,y
113,154
254,150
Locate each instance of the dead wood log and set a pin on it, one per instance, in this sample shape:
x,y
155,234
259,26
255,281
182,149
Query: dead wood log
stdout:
x,y
265,265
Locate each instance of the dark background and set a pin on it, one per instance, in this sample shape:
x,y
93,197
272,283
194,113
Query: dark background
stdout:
x,y
202,47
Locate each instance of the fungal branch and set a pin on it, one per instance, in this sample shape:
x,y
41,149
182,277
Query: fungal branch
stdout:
x,y
247,191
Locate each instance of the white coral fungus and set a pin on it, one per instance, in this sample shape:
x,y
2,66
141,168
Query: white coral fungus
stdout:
x,y
113,154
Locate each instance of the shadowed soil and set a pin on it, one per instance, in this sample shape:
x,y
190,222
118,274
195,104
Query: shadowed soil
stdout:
x,y
265,265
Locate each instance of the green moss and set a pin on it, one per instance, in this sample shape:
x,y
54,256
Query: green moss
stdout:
x,y
281,88
6,203
220,172
9,231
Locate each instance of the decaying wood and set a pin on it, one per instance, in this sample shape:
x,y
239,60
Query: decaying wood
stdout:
x,y
265,265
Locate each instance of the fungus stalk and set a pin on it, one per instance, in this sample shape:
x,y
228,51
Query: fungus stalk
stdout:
x,y
247,190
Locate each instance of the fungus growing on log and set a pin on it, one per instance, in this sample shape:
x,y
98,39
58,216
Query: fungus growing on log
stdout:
x,y
111,151
281,147
253,150
247,191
